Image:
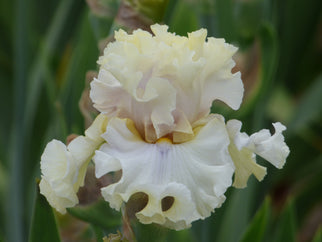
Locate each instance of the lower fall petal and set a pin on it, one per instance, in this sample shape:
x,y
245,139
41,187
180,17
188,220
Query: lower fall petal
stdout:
x,y
192,177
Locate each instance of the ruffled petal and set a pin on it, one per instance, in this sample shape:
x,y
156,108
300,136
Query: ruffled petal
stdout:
x,y
271,147
195,174
59,202
246,165
165,82
219,82
58,171
243,149
63,168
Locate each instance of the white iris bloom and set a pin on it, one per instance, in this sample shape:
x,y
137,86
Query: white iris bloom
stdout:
x,y
157,91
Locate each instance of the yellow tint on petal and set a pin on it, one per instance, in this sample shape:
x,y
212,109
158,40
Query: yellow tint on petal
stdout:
x,y
245,165
97,127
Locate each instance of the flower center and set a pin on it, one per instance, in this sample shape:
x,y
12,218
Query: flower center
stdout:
x,y
164,140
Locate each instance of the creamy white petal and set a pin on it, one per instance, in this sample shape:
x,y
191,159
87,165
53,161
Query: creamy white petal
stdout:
x,y
63,168
271,147
104,163
228,89
243,149
164,82
60,203
81,147
245,163
195,173
55,161
58,171
97,128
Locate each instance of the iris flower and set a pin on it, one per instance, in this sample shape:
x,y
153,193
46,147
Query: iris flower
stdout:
x,y
154,93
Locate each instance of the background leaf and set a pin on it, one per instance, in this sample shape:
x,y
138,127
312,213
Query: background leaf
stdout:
x,y
286,226
257,227
43,225
46,49
99,214
318,236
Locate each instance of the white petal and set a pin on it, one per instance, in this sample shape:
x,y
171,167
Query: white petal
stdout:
x,y
108,99
81,148
246,165
104,163
55,161
64,168
271,148
228,89
240,140
58,168
60,203
97,128
196,173
243,149
164,82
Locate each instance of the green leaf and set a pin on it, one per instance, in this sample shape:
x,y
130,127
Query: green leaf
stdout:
x,y
3,192
84,57
184,20
98,233
295,41
238,209
99,214
149,232
17,147
257,227
257,99
38,71
157,233
153,9
224,16
281,106
309,107
250,15
318,235
181,236
170,11
269,52
286,228
27,79
43,226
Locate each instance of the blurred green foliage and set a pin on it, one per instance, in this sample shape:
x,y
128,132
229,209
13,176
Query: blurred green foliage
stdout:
x,y
46,48
43,224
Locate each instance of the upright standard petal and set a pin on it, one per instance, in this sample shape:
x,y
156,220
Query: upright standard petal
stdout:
x,y
194,175
243,148
63,168
165,82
